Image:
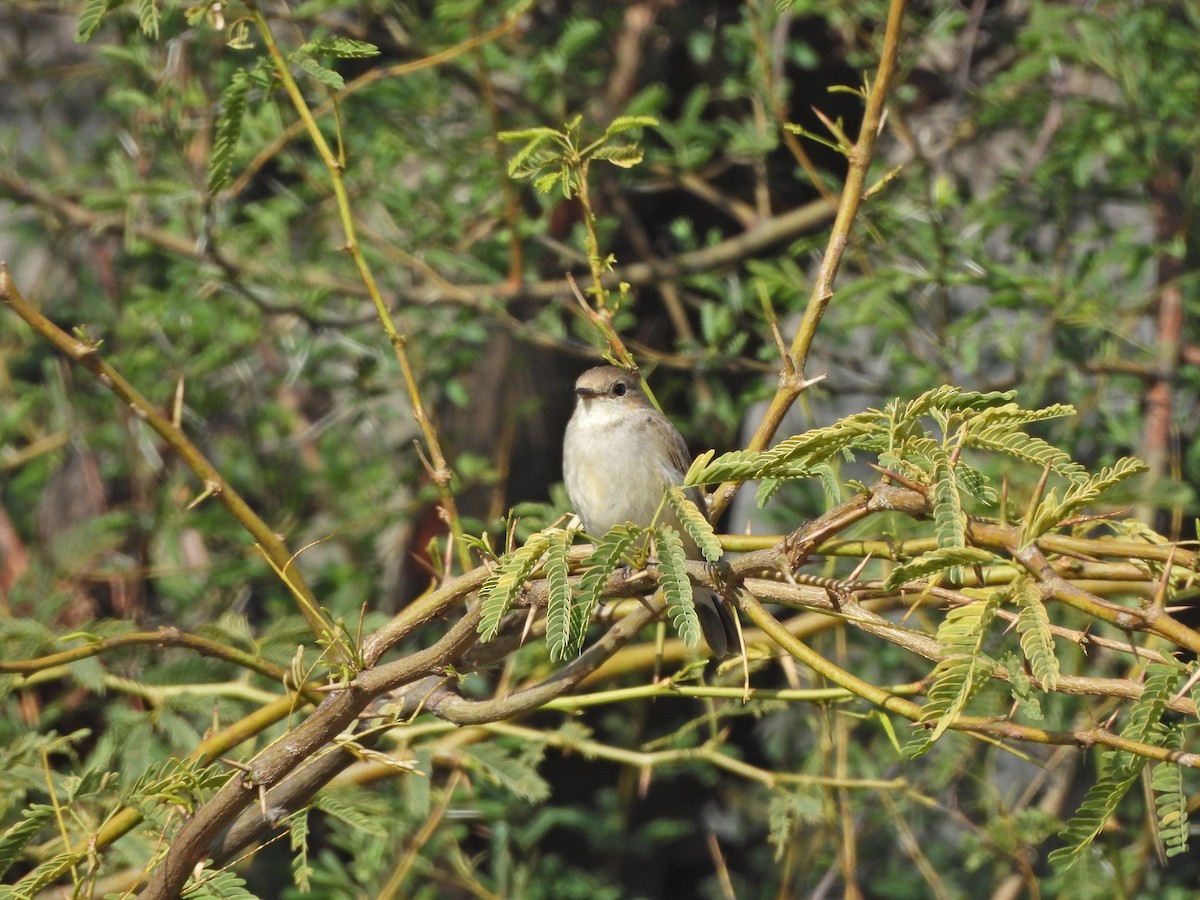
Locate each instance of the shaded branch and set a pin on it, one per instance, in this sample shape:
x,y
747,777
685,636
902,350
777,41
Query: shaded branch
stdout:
x,y
883,699
193,842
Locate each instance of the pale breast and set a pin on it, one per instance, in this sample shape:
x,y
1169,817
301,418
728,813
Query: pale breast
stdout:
x,y
609,473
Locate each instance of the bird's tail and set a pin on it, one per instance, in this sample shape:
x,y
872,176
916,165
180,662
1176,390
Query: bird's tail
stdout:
x,y
716,622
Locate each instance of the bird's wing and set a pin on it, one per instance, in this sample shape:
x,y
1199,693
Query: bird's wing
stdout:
x,y
680,458
681,461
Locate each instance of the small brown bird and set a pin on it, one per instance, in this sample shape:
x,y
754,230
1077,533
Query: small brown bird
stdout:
x,y
620,455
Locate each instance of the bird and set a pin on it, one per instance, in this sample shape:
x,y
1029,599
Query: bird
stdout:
x,y
620,455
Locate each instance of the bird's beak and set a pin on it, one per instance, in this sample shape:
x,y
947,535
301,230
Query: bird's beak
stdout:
x,y
585,392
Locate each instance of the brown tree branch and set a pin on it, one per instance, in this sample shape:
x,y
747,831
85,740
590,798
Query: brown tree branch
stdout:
x,y
421,688
192,844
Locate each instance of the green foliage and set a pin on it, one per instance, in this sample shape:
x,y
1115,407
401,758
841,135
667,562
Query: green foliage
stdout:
x,y
559,159
515,772
1037,642
962,671
949,519
1122,768
944,398
830,485
1051,512
91,17
508,580
229,130
608,555
790,458
352,815
42,875
338,46
1001,438
306,56
695,523
323,74
1021,686
222,885
17,836
788,811
148,17
166,207
562,632
177,782
898,434
1171,800
676,587
944,559
298,832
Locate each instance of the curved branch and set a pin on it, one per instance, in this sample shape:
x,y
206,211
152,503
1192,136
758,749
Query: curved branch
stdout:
x,y
194,841
423,689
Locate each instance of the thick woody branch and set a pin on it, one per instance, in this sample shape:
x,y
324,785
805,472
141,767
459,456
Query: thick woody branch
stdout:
x,y
420,685
417,684
432,693
193,843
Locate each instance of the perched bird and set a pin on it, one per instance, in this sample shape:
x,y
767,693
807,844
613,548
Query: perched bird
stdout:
x,y
620,455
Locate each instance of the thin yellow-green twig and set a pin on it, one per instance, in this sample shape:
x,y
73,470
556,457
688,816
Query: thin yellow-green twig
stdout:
x,y
439,470
88,356
792,379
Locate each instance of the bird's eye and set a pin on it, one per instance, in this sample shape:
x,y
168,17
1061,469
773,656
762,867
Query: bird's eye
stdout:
x,y
619,389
